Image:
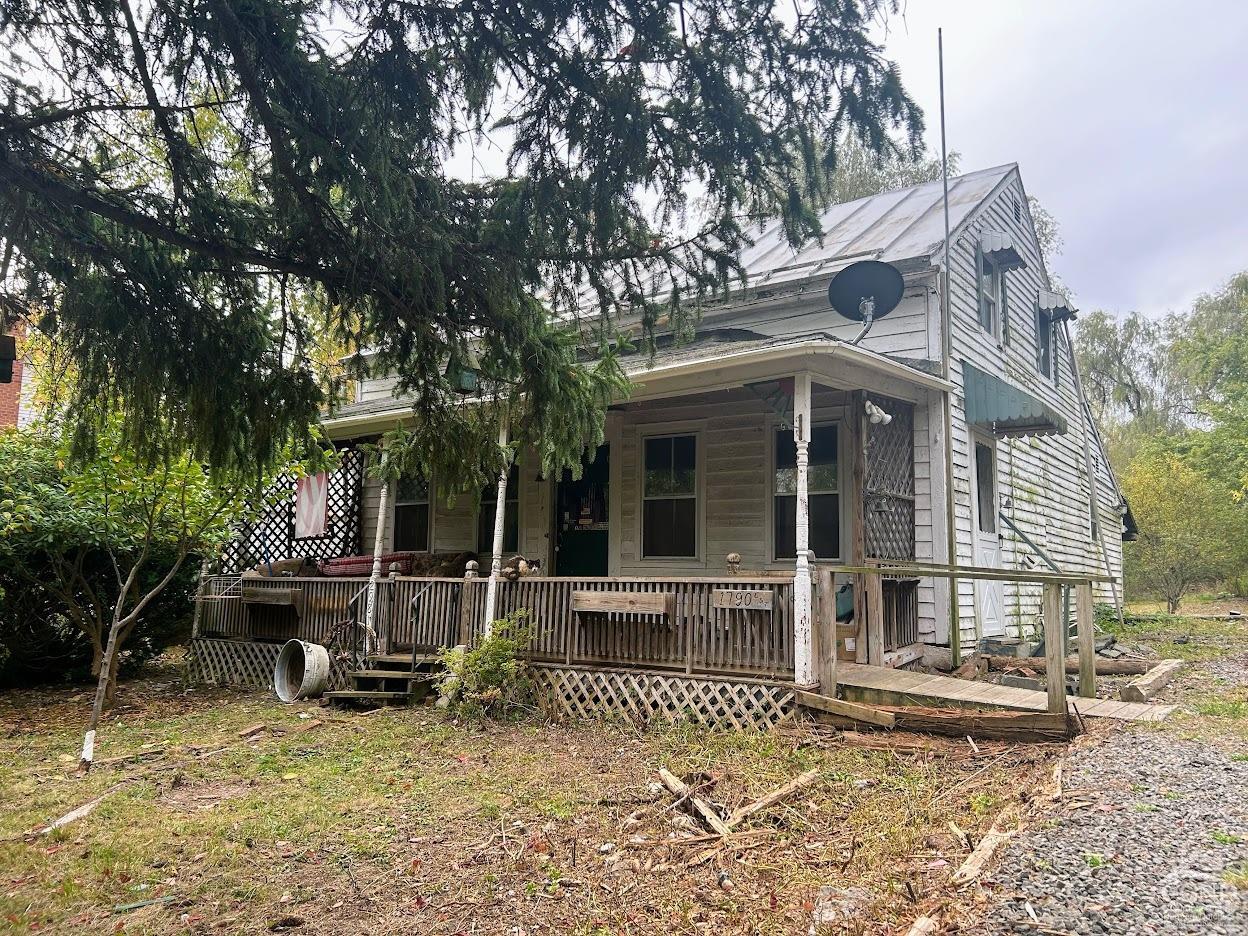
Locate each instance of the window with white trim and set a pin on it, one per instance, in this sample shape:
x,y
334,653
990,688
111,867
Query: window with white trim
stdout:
x,y
412,514
511,516
669,495
823,490
1044,343
991,289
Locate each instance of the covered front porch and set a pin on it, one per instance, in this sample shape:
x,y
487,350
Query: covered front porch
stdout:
x,y
698,542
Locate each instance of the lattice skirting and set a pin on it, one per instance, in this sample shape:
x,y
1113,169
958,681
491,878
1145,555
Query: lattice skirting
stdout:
x,y
243,664
568,692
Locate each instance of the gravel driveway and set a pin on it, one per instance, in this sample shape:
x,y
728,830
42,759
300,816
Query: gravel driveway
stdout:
x,y
1167,822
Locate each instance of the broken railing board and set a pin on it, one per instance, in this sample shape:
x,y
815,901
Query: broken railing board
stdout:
x,y
852,710
1147,686
978,859
704,809
779,794
1104,667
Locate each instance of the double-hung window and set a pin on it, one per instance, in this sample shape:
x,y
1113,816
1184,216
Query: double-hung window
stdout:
x,y
1044,343
411,514
511,515
992,303
669,521
823,489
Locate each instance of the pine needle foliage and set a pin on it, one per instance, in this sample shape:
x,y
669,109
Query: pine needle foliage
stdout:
x,y
181,181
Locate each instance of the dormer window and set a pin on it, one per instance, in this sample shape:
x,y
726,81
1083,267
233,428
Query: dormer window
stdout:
x,y
995,255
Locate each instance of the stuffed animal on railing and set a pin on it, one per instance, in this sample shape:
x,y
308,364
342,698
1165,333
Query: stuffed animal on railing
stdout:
x,y
517,567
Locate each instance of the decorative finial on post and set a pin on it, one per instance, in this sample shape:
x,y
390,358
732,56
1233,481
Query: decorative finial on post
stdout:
x,y
470,569
734,563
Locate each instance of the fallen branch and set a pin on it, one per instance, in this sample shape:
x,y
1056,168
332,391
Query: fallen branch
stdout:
x,y
973,867
775,796
679,788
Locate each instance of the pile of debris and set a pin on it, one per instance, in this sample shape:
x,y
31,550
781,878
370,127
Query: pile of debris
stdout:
x,y
698,822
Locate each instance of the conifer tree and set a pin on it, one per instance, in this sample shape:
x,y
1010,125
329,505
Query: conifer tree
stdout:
x,y
181,181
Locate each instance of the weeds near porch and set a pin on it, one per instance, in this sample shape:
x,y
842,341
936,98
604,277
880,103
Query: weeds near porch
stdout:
x,y
491,680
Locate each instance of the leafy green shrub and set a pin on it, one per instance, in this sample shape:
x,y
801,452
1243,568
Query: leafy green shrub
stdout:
x,y
491,679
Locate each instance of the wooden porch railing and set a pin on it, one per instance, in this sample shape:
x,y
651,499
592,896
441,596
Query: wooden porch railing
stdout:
x,y
702,627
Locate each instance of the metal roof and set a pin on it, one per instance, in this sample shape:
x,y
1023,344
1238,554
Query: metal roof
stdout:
x,y
892,226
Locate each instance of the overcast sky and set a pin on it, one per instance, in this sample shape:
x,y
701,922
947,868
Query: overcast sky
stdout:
x,y
1129,121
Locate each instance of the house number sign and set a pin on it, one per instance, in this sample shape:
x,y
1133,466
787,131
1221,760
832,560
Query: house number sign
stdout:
x,y
743,599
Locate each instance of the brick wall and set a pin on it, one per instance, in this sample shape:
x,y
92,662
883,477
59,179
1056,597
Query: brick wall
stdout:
x,y
11,394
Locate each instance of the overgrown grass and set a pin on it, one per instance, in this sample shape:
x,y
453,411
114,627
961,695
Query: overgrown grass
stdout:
x,y
1184,638
408,821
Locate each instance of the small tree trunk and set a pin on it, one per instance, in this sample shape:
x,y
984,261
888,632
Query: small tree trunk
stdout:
x,y
103,692
97,656
1172,604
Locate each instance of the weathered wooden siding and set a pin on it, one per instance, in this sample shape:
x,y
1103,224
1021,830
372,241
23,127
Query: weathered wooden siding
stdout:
x,y
1042,480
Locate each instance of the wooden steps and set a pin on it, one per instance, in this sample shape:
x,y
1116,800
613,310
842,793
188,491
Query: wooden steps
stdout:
x,y
367,695
388,678
884,686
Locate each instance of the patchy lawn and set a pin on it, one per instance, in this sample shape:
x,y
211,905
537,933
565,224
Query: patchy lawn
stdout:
x,y
405,821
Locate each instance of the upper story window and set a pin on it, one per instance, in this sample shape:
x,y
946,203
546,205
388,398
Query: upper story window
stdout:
x,y
412,514
511,515
1044,343
995,255
991,280
669,494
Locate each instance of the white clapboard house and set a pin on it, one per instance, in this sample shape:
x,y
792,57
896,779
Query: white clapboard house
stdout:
x,y
947,438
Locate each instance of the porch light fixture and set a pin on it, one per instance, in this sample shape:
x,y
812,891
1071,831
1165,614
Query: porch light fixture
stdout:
x,y
877,416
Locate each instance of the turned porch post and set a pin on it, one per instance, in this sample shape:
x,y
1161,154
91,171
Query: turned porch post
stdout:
x,y
500,515
379,549
803,655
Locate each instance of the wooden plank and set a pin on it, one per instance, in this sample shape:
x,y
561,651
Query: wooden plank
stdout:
x,y
679,788
622,602
875,620
900,684
745,599
1104,666
825,633
775,796
1148,685
1087,648
834,706
978,859
999,726
1054,645
282,597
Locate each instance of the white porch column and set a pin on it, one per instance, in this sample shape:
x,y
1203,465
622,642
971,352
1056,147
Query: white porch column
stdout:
x,y
500,515
379,549
803,656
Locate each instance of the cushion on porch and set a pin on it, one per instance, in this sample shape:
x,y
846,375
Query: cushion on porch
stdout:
x,y
363,565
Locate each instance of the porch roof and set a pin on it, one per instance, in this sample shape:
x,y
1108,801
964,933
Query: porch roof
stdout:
x,y
1005,409
713,359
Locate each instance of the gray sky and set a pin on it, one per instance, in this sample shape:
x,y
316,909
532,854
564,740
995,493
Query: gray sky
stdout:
x,y
1129,121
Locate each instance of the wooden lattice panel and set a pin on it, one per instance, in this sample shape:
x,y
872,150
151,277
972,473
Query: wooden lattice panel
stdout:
x,y
272,536
889,505
243,664
744,705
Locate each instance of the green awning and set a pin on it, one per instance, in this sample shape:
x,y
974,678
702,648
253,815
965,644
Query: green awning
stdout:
x,y
1004,409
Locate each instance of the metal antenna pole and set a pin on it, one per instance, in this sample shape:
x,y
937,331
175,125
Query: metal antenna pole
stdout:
x,y
946,325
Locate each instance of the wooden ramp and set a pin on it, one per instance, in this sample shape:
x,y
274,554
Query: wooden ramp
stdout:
x,y
881,685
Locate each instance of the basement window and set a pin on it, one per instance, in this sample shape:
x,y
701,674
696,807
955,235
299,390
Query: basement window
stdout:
x,y
511,516
412,514
669,521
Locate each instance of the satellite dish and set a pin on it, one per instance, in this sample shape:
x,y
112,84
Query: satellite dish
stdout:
x,y
866,290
